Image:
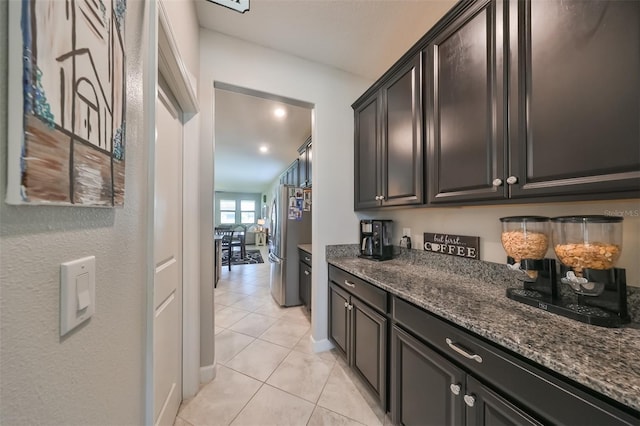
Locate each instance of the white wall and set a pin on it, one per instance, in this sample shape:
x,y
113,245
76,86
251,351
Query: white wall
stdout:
x,y
484,222
186,30
236,62
95,374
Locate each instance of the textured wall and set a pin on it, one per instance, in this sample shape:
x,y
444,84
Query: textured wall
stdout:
x,y
94,375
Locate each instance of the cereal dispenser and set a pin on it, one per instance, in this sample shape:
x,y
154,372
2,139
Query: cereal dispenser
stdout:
x,y
584,244
526,241
586,285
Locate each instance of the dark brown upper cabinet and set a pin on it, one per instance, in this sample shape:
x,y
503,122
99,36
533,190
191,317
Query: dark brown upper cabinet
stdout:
x,y
553,115
465,106
388,141
523,101
575,98
304,164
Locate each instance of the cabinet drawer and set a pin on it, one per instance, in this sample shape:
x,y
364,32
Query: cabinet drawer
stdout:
x,y
555,400
366,292
304,257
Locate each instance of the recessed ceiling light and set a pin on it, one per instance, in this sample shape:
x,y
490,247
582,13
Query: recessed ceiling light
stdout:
x,y
264,149
279,112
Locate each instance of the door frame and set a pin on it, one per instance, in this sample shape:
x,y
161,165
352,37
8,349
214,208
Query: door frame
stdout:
x,y
163,57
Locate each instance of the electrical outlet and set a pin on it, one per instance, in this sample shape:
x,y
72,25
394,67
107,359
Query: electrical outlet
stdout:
x,y
406,232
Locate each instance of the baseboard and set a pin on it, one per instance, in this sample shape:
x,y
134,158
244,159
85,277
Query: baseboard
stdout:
x,y
321,345
207,373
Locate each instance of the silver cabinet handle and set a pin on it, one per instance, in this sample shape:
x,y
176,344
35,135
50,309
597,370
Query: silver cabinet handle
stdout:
x,y
307,259
497,182
349,284
306,272
470,400
455,388
346,304
462,352
382,198
511,180
350,307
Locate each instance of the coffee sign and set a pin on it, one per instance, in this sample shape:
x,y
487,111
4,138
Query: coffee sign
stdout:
x,y
454,245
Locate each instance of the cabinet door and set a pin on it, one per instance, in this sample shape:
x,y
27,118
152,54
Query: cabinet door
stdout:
x,y
466,88
302,168
295,173
485,407
309,164
367,166
305,284
401,142
339,318
426,389
575,98
369,346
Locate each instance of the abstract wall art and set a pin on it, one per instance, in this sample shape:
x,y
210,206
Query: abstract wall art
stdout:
x,y
66,141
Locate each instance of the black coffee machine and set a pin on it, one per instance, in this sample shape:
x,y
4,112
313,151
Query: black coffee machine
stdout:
x,y
376,239
587,286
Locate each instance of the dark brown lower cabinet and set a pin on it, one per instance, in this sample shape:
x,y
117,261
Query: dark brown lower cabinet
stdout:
x,y
427,389
339,318
360,334
369,346
489,408
304,278
305,285
420,384
444,375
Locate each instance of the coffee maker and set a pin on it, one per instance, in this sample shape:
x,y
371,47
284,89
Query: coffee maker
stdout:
x,y
376,239
586,285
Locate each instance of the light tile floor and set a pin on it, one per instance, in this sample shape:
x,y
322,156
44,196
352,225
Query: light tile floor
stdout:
x,y
267,372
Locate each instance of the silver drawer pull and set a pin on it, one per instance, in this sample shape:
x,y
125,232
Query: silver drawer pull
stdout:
x,y
349,284
306,272
307,259
462,352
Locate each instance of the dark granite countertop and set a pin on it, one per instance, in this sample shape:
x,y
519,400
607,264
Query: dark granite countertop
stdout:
x,y
305,247
603,359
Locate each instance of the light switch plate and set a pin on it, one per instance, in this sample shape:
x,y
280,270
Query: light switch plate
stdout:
x,y
77,286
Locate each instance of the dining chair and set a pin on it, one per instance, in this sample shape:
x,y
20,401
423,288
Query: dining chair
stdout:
x,y
239,239
227,241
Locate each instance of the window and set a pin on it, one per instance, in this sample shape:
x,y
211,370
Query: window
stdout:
x,y
227,211
237,208
248,211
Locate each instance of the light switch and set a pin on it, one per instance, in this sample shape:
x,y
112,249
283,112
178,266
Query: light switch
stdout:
x,y
77,292
82,291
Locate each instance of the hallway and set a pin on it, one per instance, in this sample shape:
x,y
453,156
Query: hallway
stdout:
x,y
267,373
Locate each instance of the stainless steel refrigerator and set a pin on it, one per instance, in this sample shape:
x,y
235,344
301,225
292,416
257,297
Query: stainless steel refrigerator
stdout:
x,y
288,229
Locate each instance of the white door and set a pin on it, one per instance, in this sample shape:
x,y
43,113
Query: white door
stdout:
x,y
167,327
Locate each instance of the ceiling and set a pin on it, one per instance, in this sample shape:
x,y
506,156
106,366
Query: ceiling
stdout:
x,y
362,37
239,164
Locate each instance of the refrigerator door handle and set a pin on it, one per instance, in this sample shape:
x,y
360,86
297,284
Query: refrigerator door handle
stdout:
x,y
273,258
